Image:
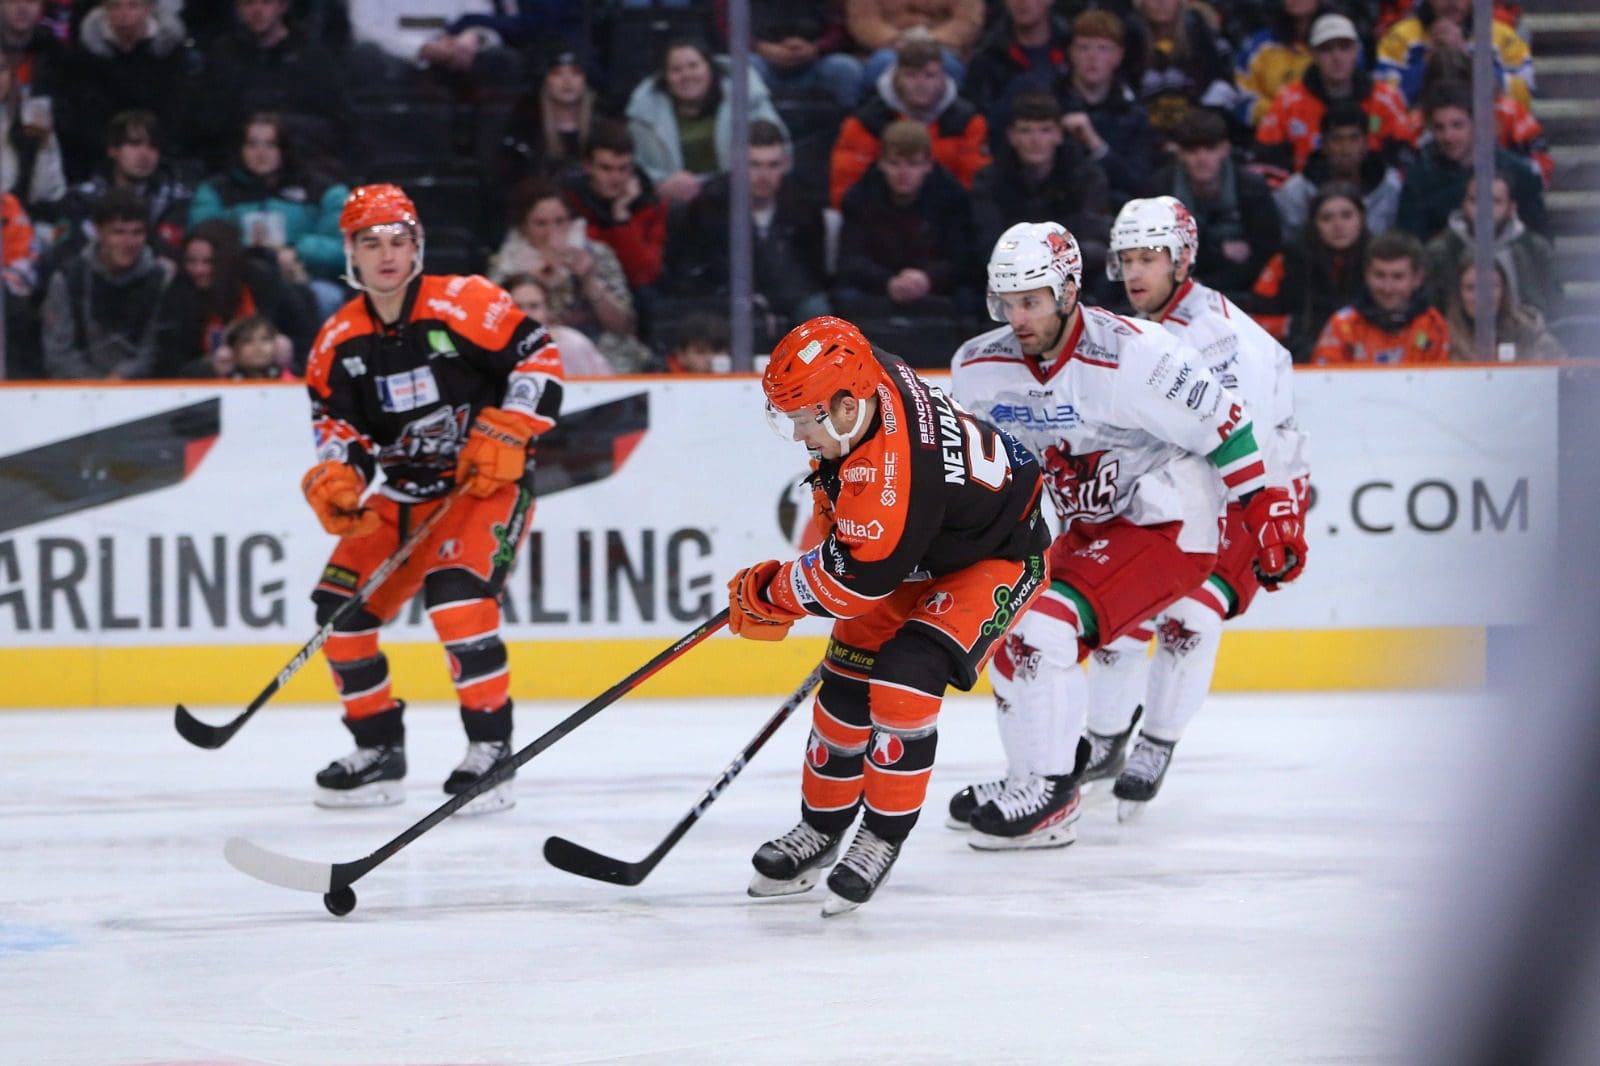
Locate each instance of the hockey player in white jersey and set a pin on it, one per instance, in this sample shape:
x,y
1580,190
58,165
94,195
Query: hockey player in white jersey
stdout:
x,y
1133,431
1153,247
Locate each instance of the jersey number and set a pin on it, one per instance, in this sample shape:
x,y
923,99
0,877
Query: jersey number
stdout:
x,y
989,467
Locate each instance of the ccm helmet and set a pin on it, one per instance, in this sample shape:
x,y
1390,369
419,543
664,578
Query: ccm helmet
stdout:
x,y
377,205
812,364
1033,255
1160,222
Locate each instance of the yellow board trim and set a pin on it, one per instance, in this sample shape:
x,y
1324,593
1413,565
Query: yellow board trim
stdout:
x,y
230,676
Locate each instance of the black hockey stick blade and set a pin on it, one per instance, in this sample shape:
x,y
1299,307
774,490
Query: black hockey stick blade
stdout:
x,y
202,735
563,854
304,875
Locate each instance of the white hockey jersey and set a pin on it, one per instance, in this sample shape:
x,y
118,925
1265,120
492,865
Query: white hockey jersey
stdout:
x,y
1247,359
1127,422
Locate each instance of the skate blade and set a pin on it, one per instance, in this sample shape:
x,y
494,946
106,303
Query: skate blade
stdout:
x,y
836,905
1130,810
764,887
1055,836
377,794
952,822
500,798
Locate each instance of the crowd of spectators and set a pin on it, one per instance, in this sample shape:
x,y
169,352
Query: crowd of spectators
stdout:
x,y
173,170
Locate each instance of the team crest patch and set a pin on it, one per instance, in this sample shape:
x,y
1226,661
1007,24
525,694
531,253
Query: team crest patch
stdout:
x,y
887,749
1177,637
816,753
939,603
450,550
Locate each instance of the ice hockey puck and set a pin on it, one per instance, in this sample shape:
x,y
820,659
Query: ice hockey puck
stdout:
x,y
340,902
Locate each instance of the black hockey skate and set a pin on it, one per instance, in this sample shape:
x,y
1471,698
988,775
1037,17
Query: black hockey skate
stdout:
x,y
1038,812
1141,779
859,874
1108,752
480,757
793,862
372,775
969,799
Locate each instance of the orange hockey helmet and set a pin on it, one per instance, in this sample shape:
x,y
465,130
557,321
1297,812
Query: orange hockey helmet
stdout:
x,y
817,360
377,205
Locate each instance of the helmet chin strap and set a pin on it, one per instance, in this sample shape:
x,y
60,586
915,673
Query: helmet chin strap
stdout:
x,y
844,441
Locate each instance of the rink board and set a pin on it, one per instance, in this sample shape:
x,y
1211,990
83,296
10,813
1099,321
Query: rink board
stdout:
x,y
154,539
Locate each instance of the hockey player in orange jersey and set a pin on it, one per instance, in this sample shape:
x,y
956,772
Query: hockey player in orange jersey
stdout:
x,y
437,381
936,547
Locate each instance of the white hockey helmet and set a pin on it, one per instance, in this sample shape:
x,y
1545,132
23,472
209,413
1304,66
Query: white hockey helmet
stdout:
x,y
1159,222
1033,255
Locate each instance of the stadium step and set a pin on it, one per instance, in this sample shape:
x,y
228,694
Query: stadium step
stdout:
x,y
1573,211
1568,76
1578,257
1561,33
1577,166
1582,298
1573,120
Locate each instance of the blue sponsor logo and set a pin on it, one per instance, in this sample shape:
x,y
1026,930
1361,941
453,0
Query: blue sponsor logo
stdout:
x,y
1061,416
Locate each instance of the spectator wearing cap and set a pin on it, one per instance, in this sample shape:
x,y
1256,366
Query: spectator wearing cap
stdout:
x,y
917,88
1273,58
1290,131
1344,155
100,316
1403,52
1101,112
797,50
547,132
1437,179
1025,49
907,243
263,63
134,160
882,26
1239,226
1041,175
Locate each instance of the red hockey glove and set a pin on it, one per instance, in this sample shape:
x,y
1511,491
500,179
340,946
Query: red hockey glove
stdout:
x,y
496,452
750,614
1274,521
334,491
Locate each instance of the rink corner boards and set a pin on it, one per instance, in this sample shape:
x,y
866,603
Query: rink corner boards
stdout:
x,y
1251,660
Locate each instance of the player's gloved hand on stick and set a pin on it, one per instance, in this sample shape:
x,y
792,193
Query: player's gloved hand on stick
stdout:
x,y
1274,521
496,452
334,491
750,614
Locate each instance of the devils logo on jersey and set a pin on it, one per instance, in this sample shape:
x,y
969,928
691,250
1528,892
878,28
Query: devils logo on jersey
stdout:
x,y
1083,486
886,749
1177,637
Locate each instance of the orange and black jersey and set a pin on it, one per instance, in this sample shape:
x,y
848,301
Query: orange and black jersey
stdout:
x,y
402,396
929,489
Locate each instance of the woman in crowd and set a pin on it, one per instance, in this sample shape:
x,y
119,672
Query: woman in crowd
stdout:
x,y
1316,273
579,356
280,208
1519,329
583,281
219,283
680,119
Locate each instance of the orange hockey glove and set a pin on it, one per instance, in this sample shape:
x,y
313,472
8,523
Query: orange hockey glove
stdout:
x,y
334,491
496,452
750,614
1274,521
821,512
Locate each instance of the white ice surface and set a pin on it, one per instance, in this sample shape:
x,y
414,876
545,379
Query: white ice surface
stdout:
x,y
1261,912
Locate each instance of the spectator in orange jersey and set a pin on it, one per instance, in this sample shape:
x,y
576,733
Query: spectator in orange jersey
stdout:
x,y
915,88
1290,131
1391,321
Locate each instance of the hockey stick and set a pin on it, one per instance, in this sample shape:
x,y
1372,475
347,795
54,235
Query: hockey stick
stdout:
x,y
201,735
334,879
563,854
